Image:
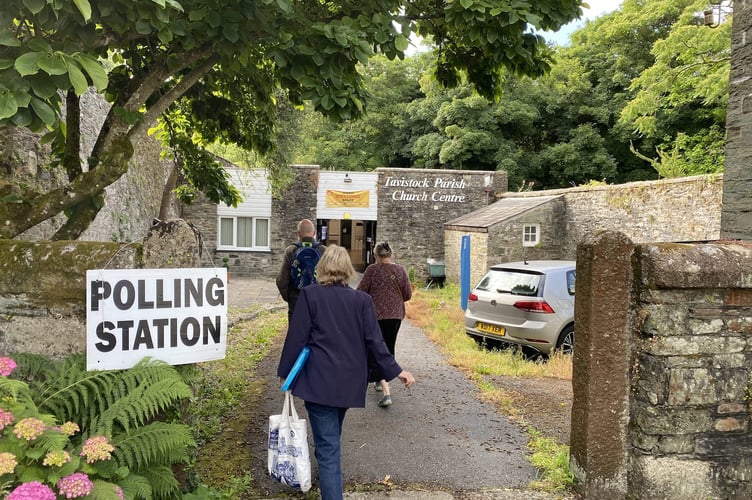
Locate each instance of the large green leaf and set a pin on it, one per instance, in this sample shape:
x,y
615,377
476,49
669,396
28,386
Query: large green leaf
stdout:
x,y
96,72
84,8
43,111
35,6
28,63
8,104
53,64
8,38
401,43
77,78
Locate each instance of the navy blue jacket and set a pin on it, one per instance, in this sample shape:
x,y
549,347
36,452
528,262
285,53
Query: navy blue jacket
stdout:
x,y
339,324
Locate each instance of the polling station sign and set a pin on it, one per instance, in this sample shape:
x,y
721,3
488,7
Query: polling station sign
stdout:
x,y
176,315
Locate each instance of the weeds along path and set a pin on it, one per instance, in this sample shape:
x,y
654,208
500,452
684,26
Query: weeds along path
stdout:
x,y
436,436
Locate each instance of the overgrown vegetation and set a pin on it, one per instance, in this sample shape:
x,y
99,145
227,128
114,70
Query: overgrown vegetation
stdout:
x,y
105,434
220,412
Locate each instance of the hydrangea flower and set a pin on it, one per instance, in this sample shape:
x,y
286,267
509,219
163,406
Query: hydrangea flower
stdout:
x,y
97,448
69,428
75,486
119,492
7,365
32,491
6,418
8,463
29,429
57,458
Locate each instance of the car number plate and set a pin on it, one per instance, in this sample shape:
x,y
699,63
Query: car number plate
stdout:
x,y
486,328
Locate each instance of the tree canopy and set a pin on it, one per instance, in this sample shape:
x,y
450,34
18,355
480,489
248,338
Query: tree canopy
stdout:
x,y
639,93
213,68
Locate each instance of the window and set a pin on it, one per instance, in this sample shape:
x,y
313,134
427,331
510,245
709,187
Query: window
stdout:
x,y
243,233
530,235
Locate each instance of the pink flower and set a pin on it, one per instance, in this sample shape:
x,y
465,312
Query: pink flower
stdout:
x,y
32,491
75,486
7,365
6,418
8,463
119,492
57,458
97,448
29,428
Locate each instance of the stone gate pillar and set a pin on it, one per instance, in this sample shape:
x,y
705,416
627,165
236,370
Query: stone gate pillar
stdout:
x,y
601,366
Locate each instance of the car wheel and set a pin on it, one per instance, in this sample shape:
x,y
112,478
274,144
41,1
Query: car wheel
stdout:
x,y
565,344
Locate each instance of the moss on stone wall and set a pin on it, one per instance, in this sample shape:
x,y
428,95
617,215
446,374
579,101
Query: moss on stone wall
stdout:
x,y
51,274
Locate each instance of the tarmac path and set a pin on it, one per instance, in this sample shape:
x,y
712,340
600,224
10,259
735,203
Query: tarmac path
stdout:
x,y
437,440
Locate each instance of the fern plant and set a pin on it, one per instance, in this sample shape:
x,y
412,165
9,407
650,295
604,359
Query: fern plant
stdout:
x,y
127,406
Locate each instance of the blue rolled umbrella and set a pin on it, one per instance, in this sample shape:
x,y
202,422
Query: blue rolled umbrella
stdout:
x,y
302,357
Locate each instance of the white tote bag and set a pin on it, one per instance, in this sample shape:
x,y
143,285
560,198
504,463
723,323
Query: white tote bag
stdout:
x,y
288,459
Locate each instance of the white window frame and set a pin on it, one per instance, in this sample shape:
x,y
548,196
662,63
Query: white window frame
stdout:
x,y
254,225
530,235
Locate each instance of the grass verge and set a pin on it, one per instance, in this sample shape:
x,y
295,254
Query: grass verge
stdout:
x,y
438,313
220,411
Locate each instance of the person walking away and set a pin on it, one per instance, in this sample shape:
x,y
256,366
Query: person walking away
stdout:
x,y
338,324
298,265
389,286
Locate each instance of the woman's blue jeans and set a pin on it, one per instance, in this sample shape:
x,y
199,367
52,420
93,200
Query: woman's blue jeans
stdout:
x,y
326,425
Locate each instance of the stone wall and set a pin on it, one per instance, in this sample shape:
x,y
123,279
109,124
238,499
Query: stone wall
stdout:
x,y
412,218
682,209
453,251
298,202
130,203
737,193
43,284
661,371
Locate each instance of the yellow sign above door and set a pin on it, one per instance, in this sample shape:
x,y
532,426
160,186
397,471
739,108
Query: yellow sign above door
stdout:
x,y
347,199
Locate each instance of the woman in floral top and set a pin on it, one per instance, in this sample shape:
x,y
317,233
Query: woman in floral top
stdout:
x,y
389,287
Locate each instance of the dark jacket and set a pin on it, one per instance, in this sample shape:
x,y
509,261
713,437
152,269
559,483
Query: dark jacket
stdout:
x,y
284,280
339,324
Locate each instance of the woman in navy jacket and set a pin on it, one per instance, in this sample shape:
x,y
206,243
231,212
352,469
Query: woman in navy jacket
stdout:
x,y
339,325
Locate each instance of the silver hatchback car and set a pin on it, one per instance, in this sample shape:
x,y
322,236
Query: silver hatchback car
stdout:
x,y
528,304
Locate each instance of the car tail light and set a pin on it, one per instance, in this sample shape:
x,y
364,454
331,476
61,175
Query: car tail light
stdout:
x,y
472,297
534,306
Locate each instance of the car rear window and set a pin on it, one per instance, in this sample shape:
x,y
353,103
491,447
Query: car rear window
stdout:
x,y
511,281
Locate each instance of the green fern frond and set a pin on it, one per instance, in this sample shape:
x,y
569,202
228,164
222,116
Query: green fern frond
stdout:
x,y
49,440
154,444
97,399
140,405
103,491
136,487
31,367
18,392
162,480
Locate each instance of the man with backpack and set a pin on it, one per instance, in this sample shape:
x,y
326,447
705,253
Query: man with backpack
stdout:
x,y
299,265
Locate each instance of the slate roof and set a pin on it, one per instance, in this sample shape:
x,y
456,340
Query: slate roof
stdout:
x,y
496,212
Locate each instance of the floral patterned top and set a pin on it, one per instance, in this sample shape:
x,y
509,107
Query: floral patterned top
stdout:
x,y
389,287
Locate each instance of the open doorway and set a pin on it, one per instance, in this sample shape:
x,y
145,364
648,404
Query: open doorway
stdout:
x,y
358,236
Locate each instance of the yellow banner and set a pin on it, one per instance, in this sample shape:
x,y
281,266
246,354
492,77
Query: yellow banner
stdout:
x,y
347,199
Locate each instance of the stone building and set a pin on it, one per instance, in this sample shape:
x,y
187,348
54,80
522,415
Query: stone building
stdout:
x,y
406,207
550,224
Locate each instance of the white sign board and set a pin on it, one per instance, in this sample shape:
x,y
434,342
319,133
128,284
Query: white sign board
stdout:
x,y
176,315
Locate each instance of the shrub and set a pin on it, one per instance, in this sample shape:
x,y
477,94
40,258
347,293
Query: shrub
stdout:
x,y
111,445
